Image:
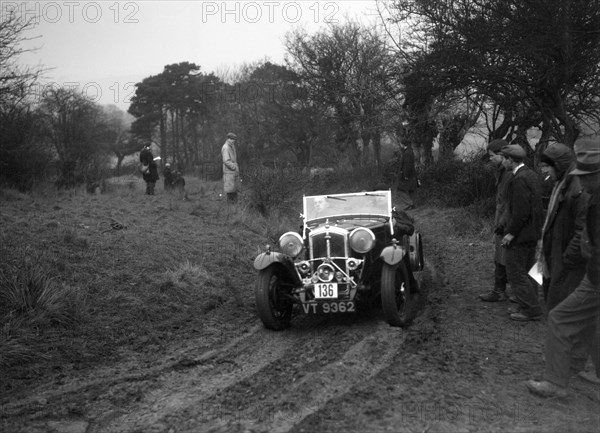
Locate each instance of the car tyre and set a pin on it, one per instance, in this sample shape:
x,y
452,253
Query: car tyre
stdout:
x,y
395,294
273,308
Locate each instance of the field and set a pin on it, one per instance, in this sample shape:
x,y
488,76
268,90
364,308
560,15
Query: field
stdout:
x,y
123,312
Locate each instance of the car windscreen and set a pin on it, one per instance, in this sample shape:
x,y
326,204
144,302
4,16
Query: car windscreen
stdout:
x,y
376,203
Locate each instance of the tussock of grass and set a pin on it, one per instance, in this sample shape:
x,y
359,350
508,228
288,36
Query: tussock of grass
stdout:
x,y
18,346
33,294
32,302
71,237
189,281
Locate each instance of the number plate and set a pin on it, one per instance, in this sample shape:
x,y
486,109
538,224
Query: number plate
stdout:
x,y
329,307
326,291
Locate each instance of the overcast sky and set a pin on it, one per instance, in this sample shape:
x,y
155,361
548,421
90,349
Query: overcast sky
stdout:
x,y
107,46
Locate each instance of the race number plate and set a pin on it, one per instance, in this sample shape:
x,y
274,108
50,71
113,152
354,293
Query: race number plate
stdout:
x,y
326,291
329,307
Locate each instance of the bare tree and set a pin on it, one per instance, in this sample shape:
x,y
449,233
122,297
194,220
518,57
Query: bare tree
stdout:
x,y
23,159
16,82
347,68
77,129
536,59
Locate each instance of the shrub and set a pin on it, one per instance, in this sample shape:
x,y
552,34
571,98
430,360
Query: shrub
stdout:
x,y
472,221
456,183
24,157
274,188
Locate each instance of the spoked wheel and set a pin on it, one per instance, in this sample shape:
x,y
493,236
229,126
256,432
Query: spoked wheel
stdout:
x,y
395,294
273,307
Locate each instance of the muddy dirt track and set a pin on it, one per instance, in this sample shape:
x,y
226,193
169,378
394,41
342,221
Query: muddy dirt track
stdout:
x,y
460,367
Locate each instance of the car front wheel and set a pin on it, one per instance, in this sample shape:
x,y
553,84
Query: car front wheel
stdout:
x,y
395,294
273,306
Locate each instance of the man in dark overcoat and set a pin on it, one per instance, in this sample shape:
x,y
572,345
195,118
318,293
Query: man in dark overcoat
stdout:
x,y
562,263
407,178
149,169
524,218
577,317
498,293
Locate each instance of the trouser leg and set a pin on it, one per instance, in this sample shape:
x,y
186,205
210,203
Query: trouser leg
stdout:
x,y
500,280
567,323
518,262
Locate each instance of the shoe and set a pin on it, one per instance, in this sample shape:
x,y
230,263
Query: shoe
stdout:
x,y
513,310
520,317
589,376
513,299
546,389
493,296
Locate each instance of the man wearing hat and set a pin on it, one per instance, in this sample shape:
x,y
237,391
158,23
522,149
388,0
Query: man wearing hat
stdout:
x,y
231,170
524,218
563,266
149,169
577,317
498,293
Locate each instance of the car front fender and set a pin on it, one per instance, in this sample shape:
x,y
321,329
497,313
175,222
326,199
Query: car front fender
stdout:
x,y
266,259
393,254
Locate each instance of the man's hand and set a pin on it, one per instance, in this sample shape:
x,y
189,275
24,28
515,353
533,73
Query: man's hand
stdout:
x,y
506,240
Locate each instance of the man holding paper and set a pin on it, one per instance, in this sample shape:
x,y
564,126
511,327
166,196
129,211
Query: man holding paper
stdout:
x,y
563,266
578,316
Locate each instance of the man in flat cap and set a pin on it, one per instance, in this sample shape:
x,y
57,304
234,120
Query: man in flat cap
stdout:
x,y
498,293
524,218
231,169
577,317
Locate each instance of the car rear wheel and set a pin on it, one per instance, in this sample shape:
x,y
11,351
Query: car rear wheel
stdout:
x,y
395,294
272,304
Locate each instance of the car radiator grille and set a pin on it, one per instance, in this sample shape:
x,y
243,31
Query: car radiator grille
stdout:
x,y
337,245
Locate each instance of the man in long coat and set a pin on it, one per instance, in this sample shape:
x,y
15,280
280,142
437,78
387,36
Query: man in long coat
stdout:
x,y
407,178
231,169
577,317
498,293
563,264
522,232
149,169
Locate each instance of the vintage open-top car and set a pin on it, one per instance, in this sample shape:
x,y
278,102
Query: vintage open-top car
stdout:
x,y
352,249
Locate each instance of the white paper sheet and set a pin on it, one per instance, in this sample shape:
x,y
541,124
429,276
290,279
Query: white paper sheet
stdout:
x,y
535,273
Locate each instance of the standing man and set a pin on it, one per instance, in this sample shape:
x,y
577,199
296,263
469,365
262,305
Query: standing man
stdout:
x,y
149,169
563,266
498,293
231,169
407,182
577,317
523,229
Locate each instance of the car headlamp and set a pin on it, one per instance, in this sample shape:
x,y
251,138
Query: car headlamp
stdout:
x,y
291,244
362,240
